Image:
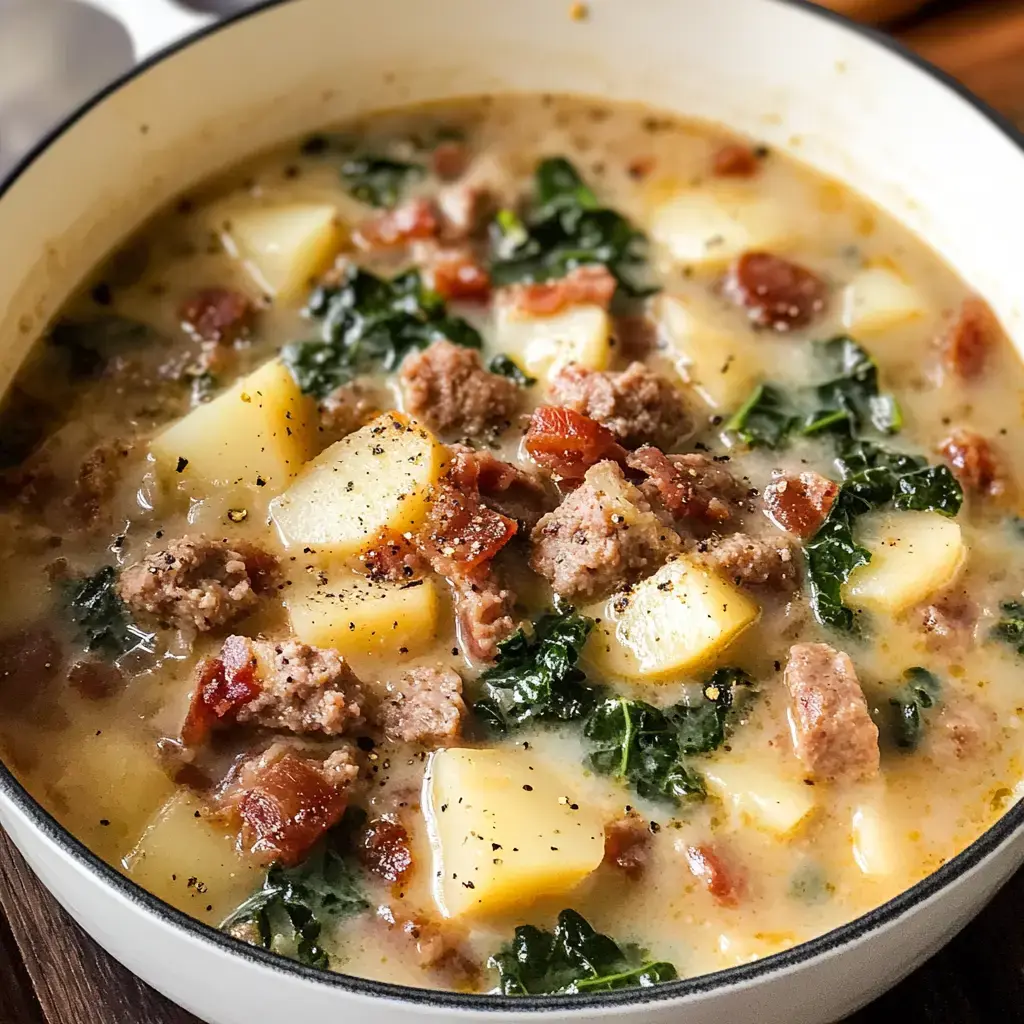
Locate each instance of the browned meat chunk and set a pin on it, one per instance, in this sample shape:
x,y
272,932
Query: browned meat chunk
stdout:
x,y
637,405
448,388
424,707
960,730
833,732
709,866
800,503
455,273
450,159
949,622
775,293
393,559
483,608
218,315
736,160
436,946
384,848
591,285
198,583
413,221
602,536
691,486
753,562
509,489
627,845
970,340
347,408
465,210
97,480
636,336
974,462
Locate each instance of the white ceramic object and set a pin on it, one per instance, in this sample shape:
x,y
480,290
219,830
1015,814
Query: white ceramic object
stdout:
x,y
843,99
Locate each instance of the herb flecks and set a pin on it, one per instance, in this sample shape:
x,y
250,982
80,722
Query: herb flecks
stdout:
x,y
1010,626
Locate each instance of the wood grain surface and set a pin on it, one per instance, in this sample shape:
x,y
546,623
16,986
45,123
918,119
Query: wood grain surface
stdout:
x,y
51,973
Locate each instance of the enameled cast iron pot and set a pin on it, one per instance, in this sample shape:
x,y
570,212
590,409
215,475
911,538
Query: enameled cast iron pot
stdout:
x,y
842,98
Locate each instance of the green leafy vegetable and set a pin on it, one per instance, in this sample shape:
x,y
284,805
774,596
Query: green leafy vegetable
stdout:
x,y
101,616
920,692
574,958
504,366
567,228
368,322
766,418
378,180
809,885
1010,627
90,344
295,904
535,677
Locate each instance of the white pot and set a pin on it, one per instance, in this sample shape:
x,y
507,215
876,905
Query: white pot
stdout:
x,y
841,98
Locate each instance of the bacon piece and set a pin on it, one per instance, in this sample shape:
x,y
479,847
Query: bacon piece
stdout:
x,y
221,316
456,274
627,844
689,486
973,335
450,159
393,559
800,503
223,685
567,443
462,534
735,160
592,284
707,865
774,292
505,487
384,849
414,220
974,462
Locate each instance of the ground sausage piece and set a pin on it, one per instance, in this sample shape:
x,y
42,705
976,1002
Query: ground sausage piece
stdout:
x,y
800,503
750,561
637,405
566,443
974,463
384,848
736,160
973,335
707,865
346,409
959,731
833,732
434,944
465,210
507,488
198,583
448,388
590,285
775,293
97,480
691,486
627,845
603,535
483,609
413,221
221,316
450,159
949,622
425,707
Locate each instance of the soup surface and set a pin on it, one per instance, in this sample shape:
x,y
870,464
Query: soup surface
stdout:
x,y
525,512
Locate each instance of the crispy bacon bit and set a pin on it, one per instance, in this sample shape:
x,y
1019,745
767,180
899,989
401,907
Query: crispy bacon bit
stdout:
x,y
974,462
414,220
799,503
735,160
707,865
393,559
972,337
450,159
384,849
456,274
461,533
223,685
218,315
507,488
689,486
590,284
774,292
567,443
627,845
95,679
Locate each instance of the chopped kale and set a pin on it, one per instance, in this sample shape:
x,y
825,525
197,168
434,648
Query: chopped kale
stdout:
x,y
88,345
565,229
1010,627
295,904
574,958
919,693
368,322
809,885
535,677
505,366
101,617
379,180
766,418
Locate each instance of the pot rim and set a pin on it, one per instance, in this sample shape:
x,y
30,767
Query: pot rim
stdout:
x,y
732,977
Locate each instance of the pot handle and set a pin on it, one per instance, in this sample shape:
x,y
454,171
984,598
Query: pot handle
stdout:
x,y
153,24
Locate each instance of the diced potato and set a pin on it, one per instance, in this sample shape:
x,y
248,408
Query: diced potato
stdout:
x,y
913,555
669,624
188,859
723,366
374,480
284,248
740,947
711,226
258,434
876,847
340,609
877,299
581,334
505,830
760,792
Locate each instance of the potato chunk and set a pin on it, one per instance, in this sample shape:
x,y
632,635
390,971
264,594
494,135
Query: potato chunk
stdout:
x,y
671,623
913,555
188,859
581,334
356,616
505,830
257,434
761,793
876,845
374,480
284,248
877,299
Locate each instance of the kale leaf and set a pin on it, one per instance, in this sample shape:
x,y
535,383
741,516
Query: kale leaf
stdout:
x,y
295,904
505,366
379,180
565,229
368,322
100,615
574,958
766,418
535,677
920,692
1010,627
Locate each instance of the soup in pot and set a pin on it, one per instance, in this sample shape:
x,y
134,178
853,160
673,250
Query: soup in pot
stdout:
x,y
526,545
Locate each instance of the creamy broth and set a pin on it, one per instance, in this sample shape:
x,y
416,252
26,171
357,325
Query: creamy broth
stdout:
x,y
777,849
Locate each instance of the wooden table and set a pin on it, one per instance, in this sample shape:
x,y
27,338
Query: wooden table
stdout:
x,y
51,973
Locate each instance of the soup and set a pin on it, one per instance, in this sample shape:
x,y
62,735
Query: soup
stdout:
x,y
525,545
